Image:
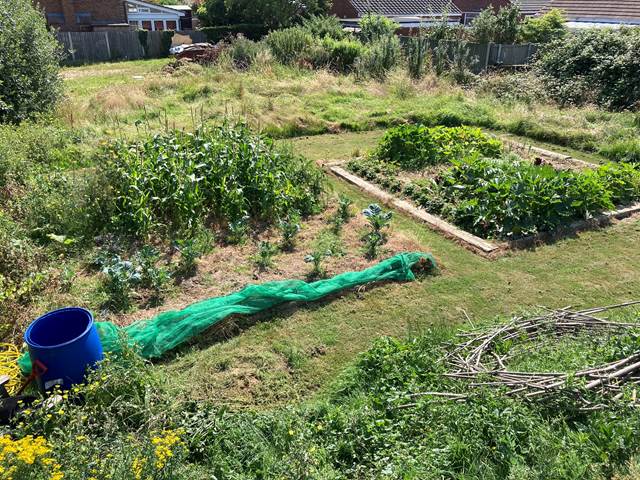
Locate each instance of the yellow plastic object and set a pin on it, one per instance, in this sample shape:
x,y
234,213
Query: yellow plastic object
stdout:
x,y
9,355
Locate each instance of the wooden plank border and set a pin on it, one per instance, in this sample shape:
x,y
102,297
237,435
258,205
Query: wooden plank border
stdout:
x,y
476,244
434,222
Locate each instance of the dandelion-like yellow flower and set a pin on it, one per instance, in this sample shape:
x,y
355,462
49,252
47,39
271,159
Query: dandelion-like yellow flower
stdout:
x,y
137,467
164,445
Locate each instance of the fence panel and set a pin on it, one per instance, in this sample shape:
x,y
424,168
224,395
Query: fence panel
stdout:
x,y
125,45
88,47
483,55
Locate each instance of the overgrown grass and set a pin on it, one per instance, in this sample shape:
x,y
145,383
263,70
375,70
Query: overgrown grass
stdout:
x,y
288,101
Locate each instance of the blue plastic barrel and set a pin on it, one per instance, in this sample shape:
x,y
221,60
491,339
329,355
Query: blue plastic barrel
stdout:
x,y
66,342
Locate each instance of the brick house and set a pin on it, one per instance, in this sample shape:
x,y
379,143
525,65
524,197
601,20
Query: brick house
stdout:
x,y
83,15
91,15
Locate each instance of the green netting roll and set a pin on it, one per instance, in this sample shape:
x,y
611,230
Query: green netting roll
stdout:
x,y
158,335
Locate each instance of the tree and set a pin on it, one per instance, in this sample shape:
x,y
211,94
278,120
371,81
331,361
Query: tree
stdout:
x,y
272,14
29,62
544,29
500,27
376,27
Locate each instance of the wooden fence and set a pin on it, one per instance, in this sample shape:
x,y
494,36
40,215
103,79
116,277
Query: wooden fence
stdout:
x,y
486,55
91,47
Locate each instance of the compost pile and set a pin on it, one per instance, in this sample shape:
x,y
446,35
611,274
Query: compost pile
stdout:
x,y
479,360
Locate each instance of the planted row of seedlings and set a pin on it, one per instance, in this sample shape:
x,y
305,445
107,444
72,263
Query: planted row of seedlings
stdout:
x,y
472,181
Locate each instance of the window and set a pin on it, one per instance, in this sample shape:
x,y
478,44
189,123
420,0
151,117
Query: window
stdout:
x,y
55,18
146,24
83,18
159,24
136,9
171,25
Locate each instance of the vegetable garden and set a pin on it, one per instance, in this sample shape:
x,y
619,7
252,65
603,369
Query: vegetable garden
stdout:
x,y
263,319
469,179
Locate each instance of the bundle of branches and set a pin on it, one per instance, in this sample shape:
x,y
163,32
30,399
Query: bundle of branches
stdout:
x,y
478,358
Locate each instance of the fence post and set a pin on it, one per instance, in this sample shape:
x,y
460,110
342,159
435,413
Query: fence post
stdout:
x,y
498,59
106,38
71,50
486,58
528,52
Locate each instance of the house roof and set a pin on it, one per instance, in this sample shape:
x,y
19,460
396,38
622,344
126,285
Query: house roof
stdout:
x,y
392,8
479,5
141,3
532,7
598,11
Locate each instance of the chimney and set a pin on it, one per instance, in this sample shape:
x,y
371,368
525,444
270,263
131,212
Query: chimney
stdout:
x,y
69,10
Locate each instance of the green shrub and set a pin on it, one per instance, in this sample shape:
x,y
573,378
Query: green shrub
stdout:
x,y
65,205
247,30
544,28
31,148
414,147
594,66
507,198
288,45
379,58
342,54
513,87
500,27
324,26
29,63
244,52
374,28
177,181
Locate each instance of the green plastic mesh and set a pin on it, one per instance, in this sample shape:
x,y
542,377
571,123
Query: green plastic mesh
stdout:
x,y
158,335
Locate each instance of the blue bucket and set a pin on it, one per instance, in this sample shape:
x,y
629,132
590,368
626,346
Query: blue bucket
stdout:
x,y
66,343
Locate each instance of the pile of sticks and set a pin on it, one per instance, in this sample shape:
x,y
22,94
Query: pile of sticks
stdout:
x,y
478,359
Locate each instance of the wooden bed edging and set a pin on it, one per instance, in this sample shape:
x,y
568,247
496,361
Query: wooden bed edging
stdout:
x,y
434,222
477,244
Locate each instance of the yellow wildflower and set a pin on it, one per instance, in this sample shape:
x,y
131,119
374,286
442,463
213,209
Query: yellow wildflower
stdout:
x,y
164,444
137,467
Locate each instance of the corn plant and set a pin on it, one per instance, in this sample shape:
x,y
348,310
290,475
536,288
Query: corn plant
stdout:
x,y
178,181
191,249
263,259
379,221
152,276
343,213
316,258
289,229
238,230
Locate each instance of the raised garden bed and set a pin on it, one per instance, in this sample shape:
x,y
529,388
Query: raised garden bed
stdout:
x,y
483,193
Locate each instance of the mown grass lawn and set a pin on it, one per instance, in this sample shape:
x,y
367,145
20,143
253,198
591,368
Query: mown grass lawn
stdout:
x,y
297,352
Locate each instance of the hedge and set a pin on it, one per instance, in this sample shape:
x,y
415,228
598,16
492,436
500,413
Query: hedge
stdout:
x,y
249,30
